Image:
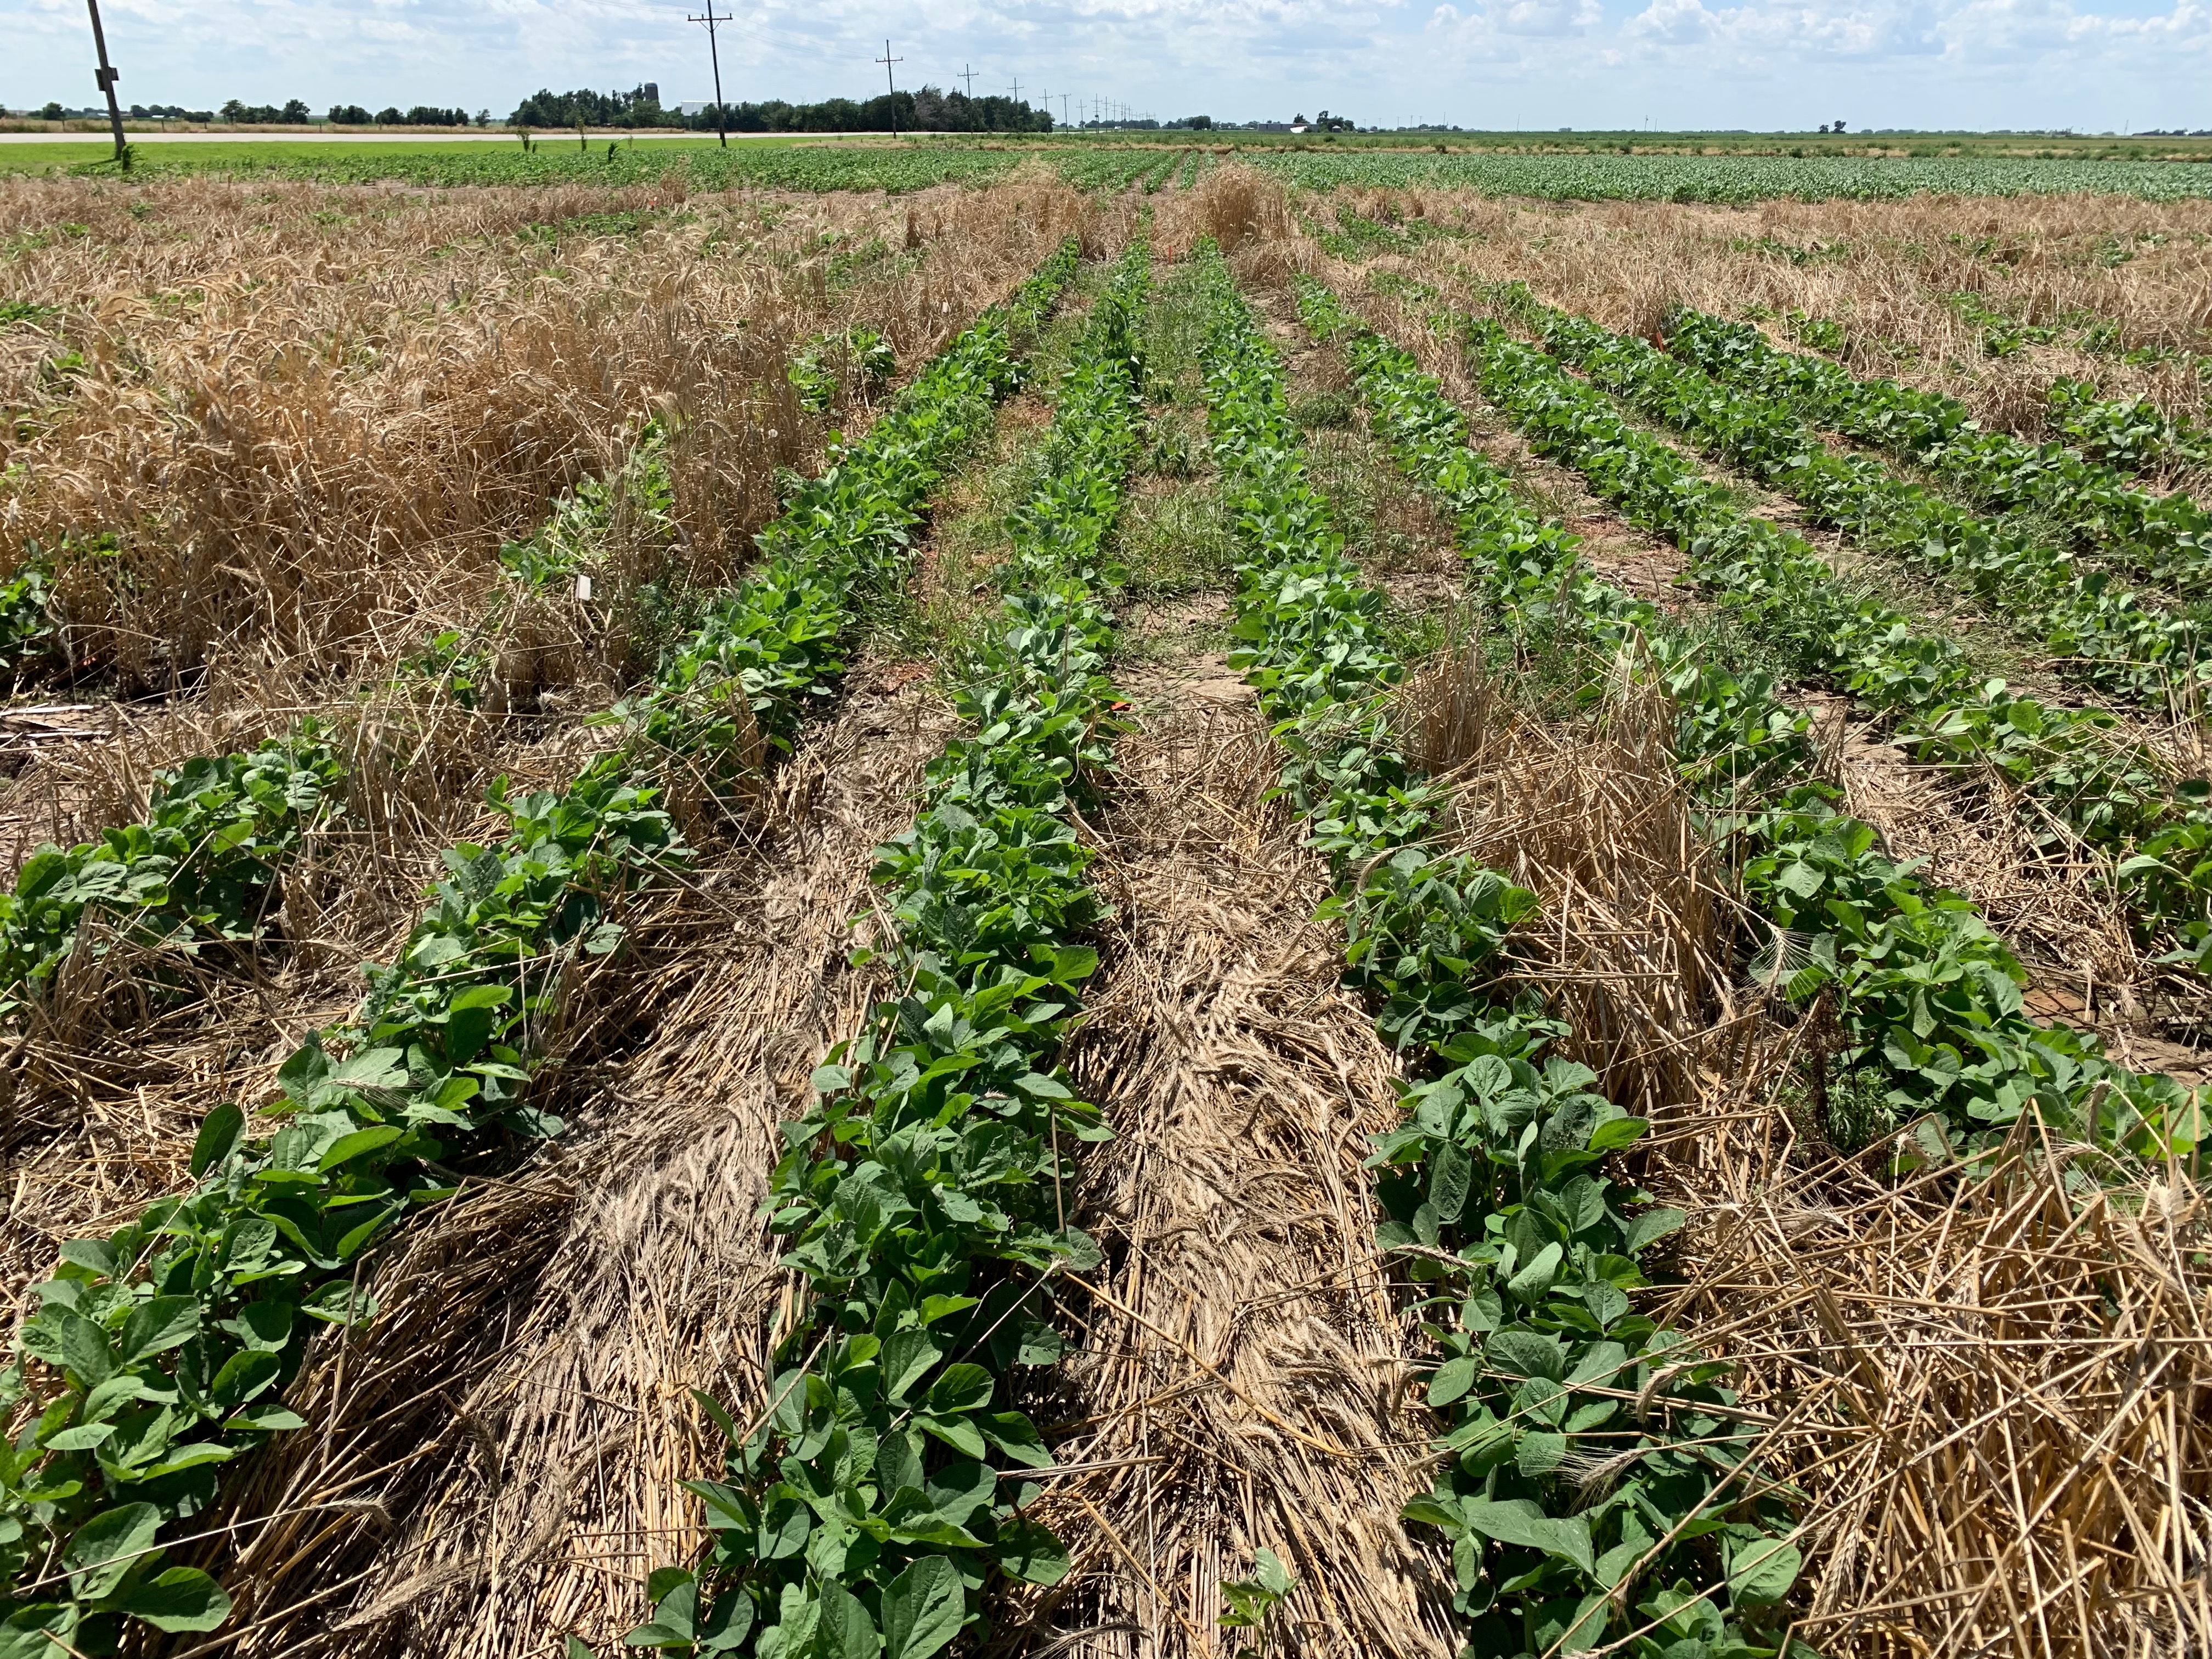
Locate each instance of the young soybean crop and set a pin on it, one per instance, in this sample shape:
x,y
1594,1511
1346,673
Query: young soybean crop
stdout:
x,y
1143,896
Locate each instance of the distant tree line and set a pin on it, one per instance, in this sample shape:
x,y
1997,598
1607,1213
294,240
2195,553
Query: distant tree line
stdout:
x,y
929,110
291,114
423,115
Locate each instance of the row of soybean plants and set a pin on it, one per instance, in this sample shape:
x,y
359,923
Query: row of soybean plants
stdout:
x,y
2109,793
2167,536
160,1353
1519,1243
2105,635
203,870
2129,435
920,1194
1924,992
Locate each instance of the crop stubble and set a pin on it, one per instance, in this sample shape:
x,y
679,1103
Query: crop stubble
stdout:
x,y
103,1100
1971,1431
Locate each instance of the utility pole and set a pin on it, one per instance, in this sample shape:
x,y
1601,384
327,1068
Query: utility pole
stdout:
x,y
714,56
1063,109
966,74
1017,88
106,79
887,60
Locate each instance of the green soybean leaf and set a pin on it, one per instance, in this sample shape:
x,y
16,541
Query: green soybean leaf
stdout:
x,y
25,1634
1030,1553
1451,1174
1585,1628
1763,1572
1526,1354
675,1614
167,1322
964,1387
178,1599
923,1609
84,1347
1651,1226
106,1548
219,1137
1617,1131
1453,1379
959,1432
244,1375
907,1356
83,1437
1522,1521
1533,1281
347,1147
725,1508
847,1633
1434,1511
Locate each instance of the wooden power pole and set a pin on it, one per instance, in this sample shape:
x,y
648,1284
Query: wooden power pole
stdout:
x,y
887,60
722,115
106,78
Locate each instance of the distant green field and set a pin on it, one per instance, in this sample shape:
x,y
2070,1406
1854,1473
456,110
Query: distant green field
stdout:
x,y
1735,178
1149,161
821,165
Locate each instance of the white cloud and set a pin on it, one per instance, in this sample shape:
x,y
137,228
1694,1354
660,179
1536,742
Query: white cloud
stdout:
x,y
1709,62
1548,17
2053,32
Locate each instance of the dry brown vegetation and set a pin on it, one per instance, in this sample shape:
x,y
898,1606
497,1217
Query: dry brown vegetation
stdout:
x,y
309,415
501,1458
1884,270
102,1097
1998,1393
2050,899
1994,1392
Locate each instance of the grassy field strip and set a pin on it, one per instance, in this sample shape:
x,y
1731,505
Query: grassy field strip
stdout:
x,y
2091,784
922,1192
2148,652
2167,537
1727,178
206,866
162,1348
1927,994
1523,1253
805,166
917,163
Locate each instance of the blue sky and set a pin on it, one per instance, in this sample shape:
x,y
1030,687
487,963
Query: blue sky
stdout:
x,y
2091,64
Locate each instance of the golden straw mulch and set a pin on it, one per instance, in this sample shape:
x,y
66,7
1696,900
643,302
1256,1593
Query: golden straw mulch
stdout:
x,y
297,459
502,1452
1244,1378
100,1100
1996,1390
1887,272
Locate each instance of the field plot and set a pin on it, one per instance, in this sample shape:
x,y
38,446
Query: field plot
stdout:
x,y
943,899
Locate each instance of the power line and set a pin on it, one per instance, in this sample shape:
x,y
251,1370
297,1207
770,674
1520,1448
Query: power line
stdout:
x,y
714,56
966,74
1017,88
